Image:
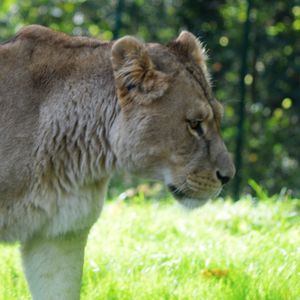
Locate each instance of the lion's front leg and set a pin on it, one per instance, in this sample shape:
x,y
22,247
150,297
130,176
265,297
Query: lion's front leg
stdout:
x,y
53,266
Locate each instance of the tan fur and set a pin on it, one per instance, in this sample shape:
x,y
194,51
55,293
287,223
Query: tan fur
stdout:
x,y
74,109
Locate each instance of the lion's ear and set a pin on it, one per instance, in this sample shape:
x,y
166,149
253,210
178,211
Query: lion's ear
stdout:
x,y
135,75
191,46
188,46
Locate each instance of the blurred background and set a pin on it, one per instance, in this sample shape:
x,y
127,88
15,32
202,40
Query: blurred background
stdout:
x,y
254,49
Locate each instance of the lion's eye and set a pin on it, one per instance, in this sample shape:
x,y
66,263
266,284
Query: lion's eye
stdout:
x,y
196,125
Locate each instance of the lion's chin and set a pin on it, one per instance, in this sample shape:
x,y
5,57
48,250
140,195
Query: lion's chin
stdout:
x,y
192,202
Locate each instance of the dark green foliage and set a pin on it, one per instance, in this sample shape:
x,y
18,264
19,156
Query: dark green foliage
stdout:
x,y
272,138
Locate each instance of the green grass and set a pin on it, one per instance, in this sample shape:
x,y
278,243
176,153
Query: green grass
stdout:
x,y
223,251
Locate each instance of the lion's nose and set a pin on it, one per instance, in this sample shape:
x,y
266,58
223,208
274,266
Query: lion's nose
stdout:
x,y
223,178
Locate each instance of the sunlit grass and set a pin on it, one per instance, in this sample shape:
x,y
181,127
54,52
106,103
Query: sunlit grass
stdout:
x,y
244,251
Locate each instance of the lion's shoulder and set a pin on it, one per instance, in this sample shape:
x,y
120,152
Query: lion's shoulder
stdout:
x,y
40,35
47,54
37,43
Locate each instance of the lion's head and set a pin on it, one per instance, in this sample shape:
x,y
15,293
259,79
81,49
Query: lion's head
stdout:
x,y
169,126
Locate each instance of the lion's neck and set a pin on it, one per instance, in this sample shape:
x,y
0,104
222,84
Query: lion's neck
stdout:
x,y
74,146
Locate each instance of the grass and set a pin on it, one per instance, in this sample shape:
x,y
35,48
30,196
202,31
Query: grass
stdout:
x,y
223,251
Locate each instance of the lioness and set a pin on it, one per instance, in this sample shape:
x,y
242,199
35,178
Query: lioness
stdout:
x,y
72,111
